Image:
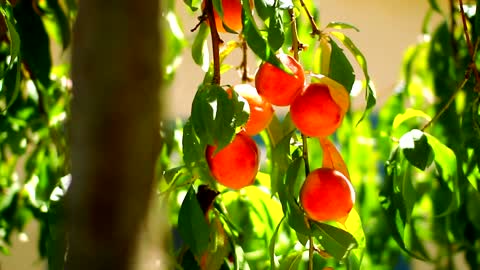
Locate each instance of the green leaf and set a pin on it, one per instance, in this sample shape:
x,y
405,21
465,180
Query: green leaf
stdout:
x,y
341,25
192,225
15,42
412,241
193,4
256,41
35,45
193,150
476,25
295,215
200,48
174,40
340,68
335,241
215,116
11,85
354,227
292,261
273,240
57,23
264,8
434,5
370,95
408,114
276,35
446,163
416,149
473,201
393,199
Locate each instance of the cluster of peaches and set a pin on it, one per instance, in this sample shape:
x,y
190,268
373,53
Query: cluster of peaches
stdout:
x,y
316,109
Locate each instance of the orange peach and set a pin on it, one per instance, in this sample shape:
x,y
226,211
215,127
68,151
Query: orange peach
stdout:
x,y
261,111
236,165
327,195
315,113
277,86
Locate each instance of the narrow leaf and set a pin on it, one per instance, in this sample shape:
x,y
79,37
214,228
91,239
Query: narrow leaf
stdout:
x,y
199,47
370,95
341,25
340,68
192,224
408,114
336,242
332,157
276,35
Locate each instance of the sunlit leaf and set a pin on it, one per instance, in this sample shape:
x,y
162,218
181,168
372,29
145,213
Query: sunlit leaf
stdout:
x,y
199,47
341,25
57,23
332,157
292,261
340,68
193,4
255,40
370,95
271,246
336,242
446,163
408,114
434,5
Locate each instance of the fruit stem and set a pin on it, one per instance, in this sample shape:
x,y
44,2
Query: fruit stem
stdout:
x,y
295,47
216,41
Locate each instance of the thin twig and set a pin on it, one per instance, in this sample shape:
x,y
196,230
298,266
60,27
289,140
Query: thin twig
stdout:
x,y
216,41
295,42
315,29
471,48
244,67
449,102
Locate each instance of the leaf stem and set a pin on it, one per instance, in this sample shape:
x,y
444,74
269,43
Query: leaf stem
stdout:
x,y
216,41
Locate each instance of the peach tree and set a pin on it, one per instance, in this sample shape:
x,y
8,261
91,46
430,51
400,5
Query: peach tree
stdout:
x,y
412,165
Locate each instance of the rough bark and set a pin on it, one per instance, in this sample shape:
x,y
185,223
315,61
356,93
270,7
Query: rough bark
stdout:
x,y
114,130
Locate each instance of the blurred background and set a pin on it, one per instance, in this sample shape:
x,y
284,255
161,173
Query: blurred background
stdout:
x,y
387,28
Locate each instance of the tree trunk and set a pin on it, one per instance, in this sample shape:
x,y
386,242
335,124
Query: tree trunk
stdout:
x,y
114,130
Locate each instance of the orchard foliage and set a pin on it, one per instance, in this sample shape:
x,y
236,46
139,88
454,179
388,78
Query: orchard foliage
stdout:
x,y
414,163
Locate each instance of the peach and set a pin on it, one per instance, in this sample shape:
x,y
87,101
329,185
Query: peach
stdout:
x,y
327,195
236,165
261,111
315,113
277,86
